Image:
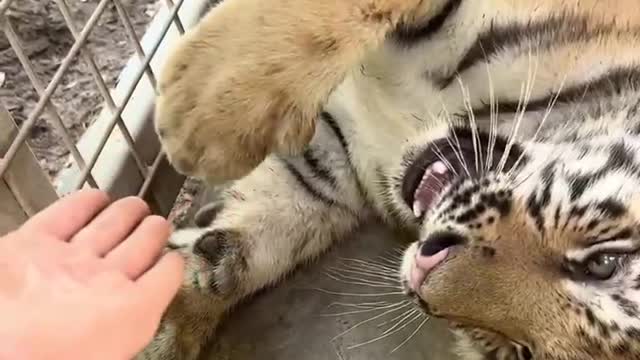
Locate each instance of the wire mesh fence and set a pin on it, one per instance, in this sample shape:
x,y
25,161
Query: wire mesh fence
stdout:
x,y
25,187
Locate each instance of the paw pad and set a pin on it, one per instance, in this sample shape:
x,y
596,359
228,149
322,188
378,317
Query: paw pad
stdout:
x,y
211,246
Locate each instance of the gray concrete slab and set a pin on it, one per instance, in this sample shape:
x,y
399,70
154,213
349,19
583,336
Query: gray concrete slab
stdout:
x,y
290,321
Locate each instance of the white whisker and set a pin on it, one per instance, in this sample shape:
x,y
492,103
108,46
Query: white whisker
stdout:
x,y
370,264
360,305
444,160
529,85
456,149
438,151
368,273
385,335
395,318
357,294
493,114
550,107
360,282
477,153
389,262
363,311
414,313
404,305
410,336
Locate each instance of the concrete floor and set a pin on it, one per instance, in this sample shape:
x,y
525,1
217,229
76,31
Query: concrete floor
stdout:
x,y
288,323
291,322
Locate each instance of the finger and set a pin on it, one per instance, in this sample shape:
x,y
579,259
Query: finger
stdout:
x,y
68,215
113,225
142,248
161,283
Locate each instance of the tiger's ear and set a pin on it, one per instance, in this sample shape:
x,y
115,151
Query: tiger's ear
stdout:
x,y
251,78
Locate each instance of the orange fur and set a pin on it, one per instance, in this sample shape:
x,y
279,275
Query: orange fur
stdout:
x,y
251,78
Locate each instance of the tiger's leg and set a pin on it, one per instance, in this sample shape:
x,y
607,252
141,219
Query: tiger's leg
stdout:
x,y
252,76
287,211
478,344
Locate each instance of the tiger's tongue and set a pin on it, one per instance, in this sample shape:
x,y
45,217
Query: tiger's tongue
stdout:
x,y
435,178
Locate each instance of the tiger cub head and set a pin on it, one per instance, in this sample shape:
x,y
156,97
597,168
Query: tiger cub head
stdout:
x,y
529,244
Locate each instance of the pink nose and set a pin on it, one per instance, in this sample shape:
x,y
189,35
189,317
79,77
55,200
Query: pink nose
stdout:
x,y
432,252
423,265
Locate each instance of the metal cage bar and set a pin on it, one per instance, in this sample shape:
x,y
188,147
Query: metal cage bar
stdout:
x,y
85,173
156,178
25,188
102,86
176,19
51,88
133,38
4,6
15,43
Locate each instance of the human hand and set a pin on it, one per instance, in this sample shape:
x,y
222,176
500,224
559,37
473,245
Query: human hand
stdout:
x,y
83,280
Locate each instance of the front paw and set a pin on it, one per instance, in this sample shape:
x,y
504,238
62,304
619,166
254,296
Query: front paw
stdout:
x,y
181,336
226,135
224,251
214,264
169,345
223,105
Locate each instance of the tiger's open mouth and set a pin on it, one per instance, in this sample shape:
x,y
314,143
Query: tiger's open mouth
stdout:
x,y
435,178
433,170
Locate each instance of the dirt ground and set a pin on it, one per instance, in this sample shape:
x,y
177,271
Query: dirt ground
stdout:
x,y
47,40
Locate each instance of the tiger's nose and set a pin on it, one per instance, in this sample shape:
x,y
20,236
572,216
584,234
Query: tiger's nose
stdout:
x,y
440,241
432,252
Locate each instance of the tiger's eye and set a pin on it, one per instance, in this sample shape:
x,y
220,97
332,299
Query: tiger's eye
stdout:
x,y
603,266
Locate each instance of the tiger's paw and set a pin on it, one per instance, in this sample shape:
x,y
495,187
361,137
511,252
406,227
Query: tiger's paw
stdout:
x,y
251,78
214,265
188,326
226,99
228,130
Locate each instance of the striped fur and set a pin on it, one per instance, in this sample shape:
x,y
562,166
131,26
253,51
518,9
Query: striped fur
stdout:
x,y
548,91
